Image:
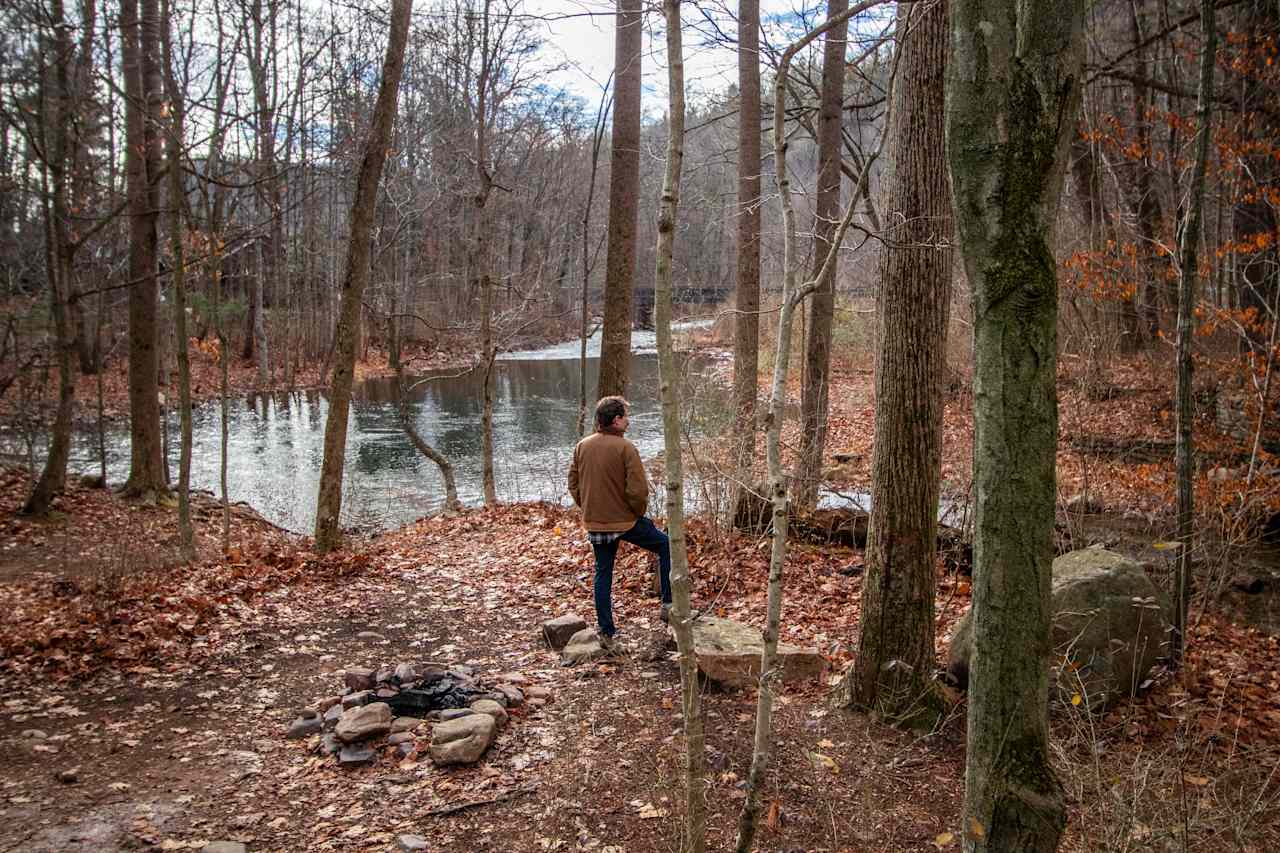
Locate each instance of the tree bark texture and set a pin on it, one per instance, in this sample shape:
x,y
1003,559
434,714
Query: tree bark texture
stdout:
x,y
817,359
186,533
893,671
695,827
746,322
355,277
140,45
1188,264
624,203
56,93
1013,92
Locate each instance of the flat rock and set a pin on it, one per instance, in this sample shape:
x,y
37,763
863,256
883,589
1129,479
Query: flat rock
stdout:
x,y
399,738
462,741
355,700
355,755
411,843
359,678
224,847
332,715
513,694
493,709
404,724
446,714
557,632
537,691
364,722
582,646
406,672
369,635
729,652
304,727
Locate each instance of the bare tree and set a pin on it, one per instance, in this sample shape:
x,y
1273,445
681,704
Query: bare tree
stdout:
x,y
746,322
793,295
893,671
690,691
817,362
624,203
140,48
329,501
1188,275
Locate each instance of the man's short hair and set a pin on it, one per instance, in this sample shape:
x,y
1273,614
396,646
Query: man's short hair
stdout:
x,y
609,408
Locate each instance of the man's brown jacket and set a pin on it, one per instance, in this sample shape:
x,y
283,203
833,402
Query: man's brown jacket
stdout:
x,y
606,479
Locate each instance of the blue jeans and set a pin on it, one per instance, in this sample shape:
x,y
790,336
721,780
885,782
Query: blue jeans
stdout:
x,y
646,535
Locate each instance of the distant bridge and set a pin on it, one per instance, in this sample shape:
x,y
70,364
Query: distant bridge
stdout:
x,y
681,295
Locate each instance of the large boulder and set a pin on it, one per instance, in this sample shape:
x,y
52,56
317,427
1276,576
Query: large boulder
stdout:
x,y
1110,627
729,652
462,741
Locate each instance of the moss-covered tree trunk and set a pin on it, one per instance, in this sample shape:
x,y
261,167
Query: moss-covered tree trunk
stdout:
x,y
1013,92
347,333
893,671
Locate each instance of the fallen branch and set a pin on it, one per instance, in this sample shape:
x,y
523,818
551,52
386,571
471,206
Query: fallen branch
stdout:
x,y
452,808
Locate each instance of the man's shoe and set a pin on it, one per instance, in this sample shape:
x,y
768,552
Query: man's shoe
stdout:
x,y
613,645
665,614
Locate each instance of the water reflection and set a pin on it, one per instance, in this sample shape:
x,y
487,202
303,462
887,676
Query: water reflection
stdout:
x,y
276,442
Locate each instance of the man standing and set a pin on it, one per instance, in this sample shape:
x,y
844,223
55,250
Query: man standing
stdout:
x,y
607,480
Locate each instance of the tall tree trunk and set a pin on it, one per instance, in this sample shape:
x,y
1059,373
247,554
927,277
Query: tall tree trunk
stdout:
x,y
477,258
793,295
624,203
267,192
354,279
690,691
140,45
1140,318
1188,262
817,361
178,249
893,671
597,138
1013,92
57,103
746,322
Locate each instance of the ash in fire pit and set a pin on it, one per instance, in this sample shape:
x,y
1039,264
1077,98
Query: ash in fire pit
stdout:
x,y
436,691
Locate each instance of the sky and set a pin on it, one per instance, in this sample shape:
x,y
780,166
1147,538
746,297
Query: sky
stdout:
x,y
580,33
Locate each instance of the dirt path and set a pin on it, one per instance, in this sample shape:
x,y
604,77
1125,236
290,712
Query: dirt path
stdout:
x,y
169,759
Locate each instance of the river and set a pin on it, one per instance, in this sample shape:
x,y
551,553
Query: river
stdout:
x,y
277,440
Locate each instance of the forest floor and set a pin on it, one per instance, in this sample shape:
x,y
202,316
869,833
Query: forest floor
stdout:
x,y
145,701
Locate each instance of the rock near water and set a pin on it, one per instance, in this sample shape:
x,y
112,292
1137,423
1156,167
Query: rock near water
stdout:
x,y
1110,627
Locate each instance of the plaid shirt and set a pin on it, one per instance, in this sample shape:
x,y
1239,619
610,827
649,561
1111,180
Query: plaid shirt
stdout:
x,y
604,537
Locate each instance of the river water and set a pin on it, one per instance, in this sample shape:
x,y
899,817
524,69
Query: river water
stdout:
x,y
277,440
